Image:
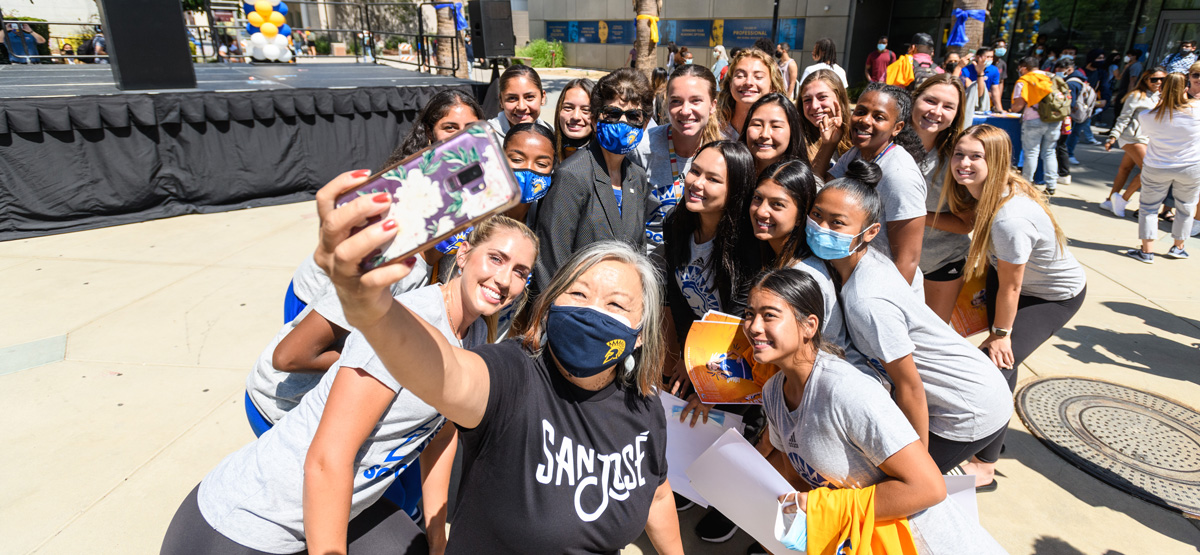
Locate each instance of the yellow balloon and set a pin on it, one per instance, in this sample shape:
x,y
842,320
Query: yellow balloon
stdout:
x,y
264,8
276,18
255,19
269,30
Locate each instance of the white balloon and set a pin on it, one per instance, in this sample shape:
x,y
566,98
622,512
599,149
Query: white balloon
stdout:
x,y
281,41
257,53
274,2
285,55
258,39
271,52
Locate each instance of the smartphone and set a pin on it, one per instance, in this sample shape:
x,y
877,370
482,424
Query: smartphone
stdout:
x,y
439,191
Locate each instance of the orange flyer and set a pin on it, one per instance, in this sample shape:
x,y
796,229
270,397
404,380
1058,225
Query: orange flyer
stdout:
x,y
720,362
970,310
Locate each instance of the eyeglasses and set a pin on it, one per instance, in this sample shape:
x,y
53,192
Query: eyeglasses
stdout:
x,y
612,114
1160,79
1194,75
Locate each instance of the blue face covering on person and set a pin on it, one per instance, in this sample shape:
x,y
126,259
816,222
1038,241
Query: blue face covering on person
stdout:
x,y
791,529
618,138
827,244
881,47
533,184
1000,52
586,340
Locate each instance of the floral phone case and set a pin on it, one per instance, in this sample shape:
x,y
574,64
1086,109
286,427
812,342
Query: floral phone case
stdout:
x,y
440,191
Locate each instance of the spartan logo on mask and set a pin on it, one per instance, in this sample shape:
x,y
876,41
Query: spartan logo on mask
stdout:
x,y
616,348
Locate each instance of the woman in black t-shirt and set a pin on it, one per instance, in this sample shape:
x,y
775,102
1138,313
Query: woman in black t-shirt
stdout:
x,y
565,446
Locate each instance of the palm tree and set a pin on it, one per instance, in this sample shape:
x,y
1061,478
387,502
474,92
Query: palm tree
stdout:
x,y
647,57
974,26
446,47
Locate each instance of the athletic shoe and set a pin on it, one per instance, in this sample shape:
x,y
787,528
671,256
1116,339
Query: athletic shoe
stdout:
x,y
1106,205
1051,189
1092,142
1177,253
1137,254
1118,204
682,503
1064,180
715,528
1073,160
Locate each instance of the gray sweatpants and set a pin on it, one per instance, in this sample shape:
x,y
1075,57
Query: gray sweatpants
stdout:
x,y
1184,184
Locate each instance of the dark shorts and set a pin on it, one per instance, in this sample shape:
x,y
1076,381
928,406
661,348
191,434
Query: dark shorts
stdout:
x,y
949,272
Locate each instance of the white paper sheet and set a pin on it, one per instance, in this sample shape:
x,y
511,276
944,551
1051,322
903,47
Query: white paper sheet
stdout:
x,y
685,443
961,489
734,478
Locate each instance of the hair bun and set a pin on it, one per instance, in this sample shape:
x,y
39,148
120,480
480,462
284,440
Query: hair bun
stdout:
x,y
865,172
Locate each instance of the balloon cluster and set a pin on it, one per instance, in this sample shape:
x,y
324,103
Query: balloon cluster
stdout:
x,y
268,30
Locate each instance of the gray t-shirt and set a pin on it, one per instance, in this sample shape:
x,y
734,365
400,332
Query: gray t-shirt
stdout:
x,y
1022,233
967,395
843,429
255,496
666,188
696,281
901,189
310,282
275,392
938,247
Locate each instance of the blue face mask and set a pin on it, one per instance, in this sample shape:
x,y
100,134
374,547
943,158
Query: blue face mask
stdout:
x,y
827,244
1000,52
791,529
618,138
586,340
987,63
533,184
881,47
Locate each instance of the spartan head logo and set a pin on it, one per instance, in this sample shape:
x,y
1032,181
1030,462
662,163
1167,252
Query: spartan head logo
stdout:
x,y
616,348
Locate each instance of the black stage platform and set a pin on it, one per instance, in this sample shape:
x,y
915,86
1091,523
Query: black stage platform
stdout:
x,y
77,153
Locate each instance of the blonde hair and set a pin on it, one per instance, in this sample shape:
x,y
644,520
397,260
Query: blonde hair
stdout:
x,y
714,128
725,102
483,231
1002,184
647,371
1173,97
946,139
812,135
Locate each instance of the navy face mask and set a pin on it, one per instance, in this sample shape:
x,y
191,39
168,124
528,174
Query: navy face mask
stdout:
x,y
586,340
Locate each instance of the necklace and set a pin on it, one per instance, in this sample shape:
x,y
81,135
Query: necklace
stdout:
x,y
449,310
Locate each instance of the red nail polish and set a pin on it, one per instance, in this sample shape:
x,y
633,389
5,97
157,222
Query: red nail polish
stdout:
x,y
410,261
381,197
389,225
360,173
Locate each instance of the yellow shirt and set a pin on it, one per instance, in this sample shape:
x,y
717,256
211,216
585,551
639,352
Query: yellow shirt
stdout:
x,y
842,522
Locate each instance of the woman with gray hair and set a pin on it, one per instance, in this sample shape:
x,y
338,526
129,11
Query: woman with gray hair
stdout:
x,y
564,441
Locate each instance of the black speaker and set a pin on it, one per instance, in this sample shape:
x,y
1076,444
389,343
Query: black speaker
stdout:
x,y
147,44
491,28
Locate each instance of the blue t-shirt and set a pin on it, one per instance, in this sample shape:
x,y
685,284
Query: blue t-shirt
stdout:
x,y
21,45
992,73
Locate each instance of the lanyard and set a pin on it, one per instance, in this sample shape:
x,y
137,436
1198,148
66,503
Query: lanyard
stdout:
x,y
671,156
889,147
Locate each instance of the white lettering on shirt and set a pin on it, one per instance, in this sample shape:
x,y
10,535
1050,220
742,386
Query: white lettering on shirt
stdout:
x,y
620,472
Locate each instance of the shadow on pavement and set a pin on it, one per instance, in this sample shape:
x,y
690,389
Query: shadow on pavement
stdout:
x,y
1083,486
1157,318
1143,352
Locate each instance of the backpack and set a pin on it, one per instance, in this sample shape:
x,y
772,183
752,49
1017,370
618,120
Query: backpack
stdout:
x,y
921,72
1083,107
1056,105
88,48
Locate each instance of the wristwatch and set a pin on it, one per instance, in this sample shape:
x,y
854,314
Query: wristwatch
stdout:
x,y
1000,332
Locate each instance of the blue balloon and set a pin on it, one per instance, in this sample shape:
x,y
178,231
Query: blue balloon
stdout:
x,y
248,8
281,8
285,30
251,29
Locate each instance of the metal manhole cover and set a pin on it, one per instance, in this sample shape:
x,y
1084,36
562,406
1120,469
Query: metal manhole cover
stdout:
x,y
1135,441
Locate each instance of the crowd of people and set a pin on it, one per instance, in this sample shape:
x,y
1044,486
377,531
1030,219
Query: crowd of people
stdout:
x,y
534,347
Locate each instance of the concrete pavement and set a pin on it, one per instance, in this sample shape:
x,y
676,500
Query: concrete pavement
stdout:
x,y
124,352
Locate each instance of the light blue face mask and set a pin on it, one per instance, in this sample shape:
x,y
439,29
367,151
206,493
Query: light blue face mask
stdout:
x,y
791,529
618,138
827,244
1000,52
881,47
987,63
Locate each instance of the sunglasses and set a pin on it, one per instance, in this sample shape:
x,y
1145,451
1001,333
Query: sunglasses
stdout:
x,y
612,114
1160,79
1194,75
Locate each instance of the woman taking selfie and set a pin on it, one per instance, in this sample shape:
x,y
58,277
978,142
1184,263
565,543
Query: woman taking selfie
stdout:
x,y
752,73
600,196
937,117
1034,284
573,117
313,482
949,391
581,381
668,150
833,427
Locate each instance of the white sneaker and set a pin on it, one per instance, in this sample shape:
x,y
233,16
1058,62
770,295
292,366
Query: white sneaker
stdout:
x,y
1106,205
1118,204
1064,180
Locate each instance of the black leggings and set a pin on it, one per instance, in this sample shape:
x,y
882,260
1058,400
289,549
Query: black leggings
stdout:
x,y
382,528
947,453
1037,320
